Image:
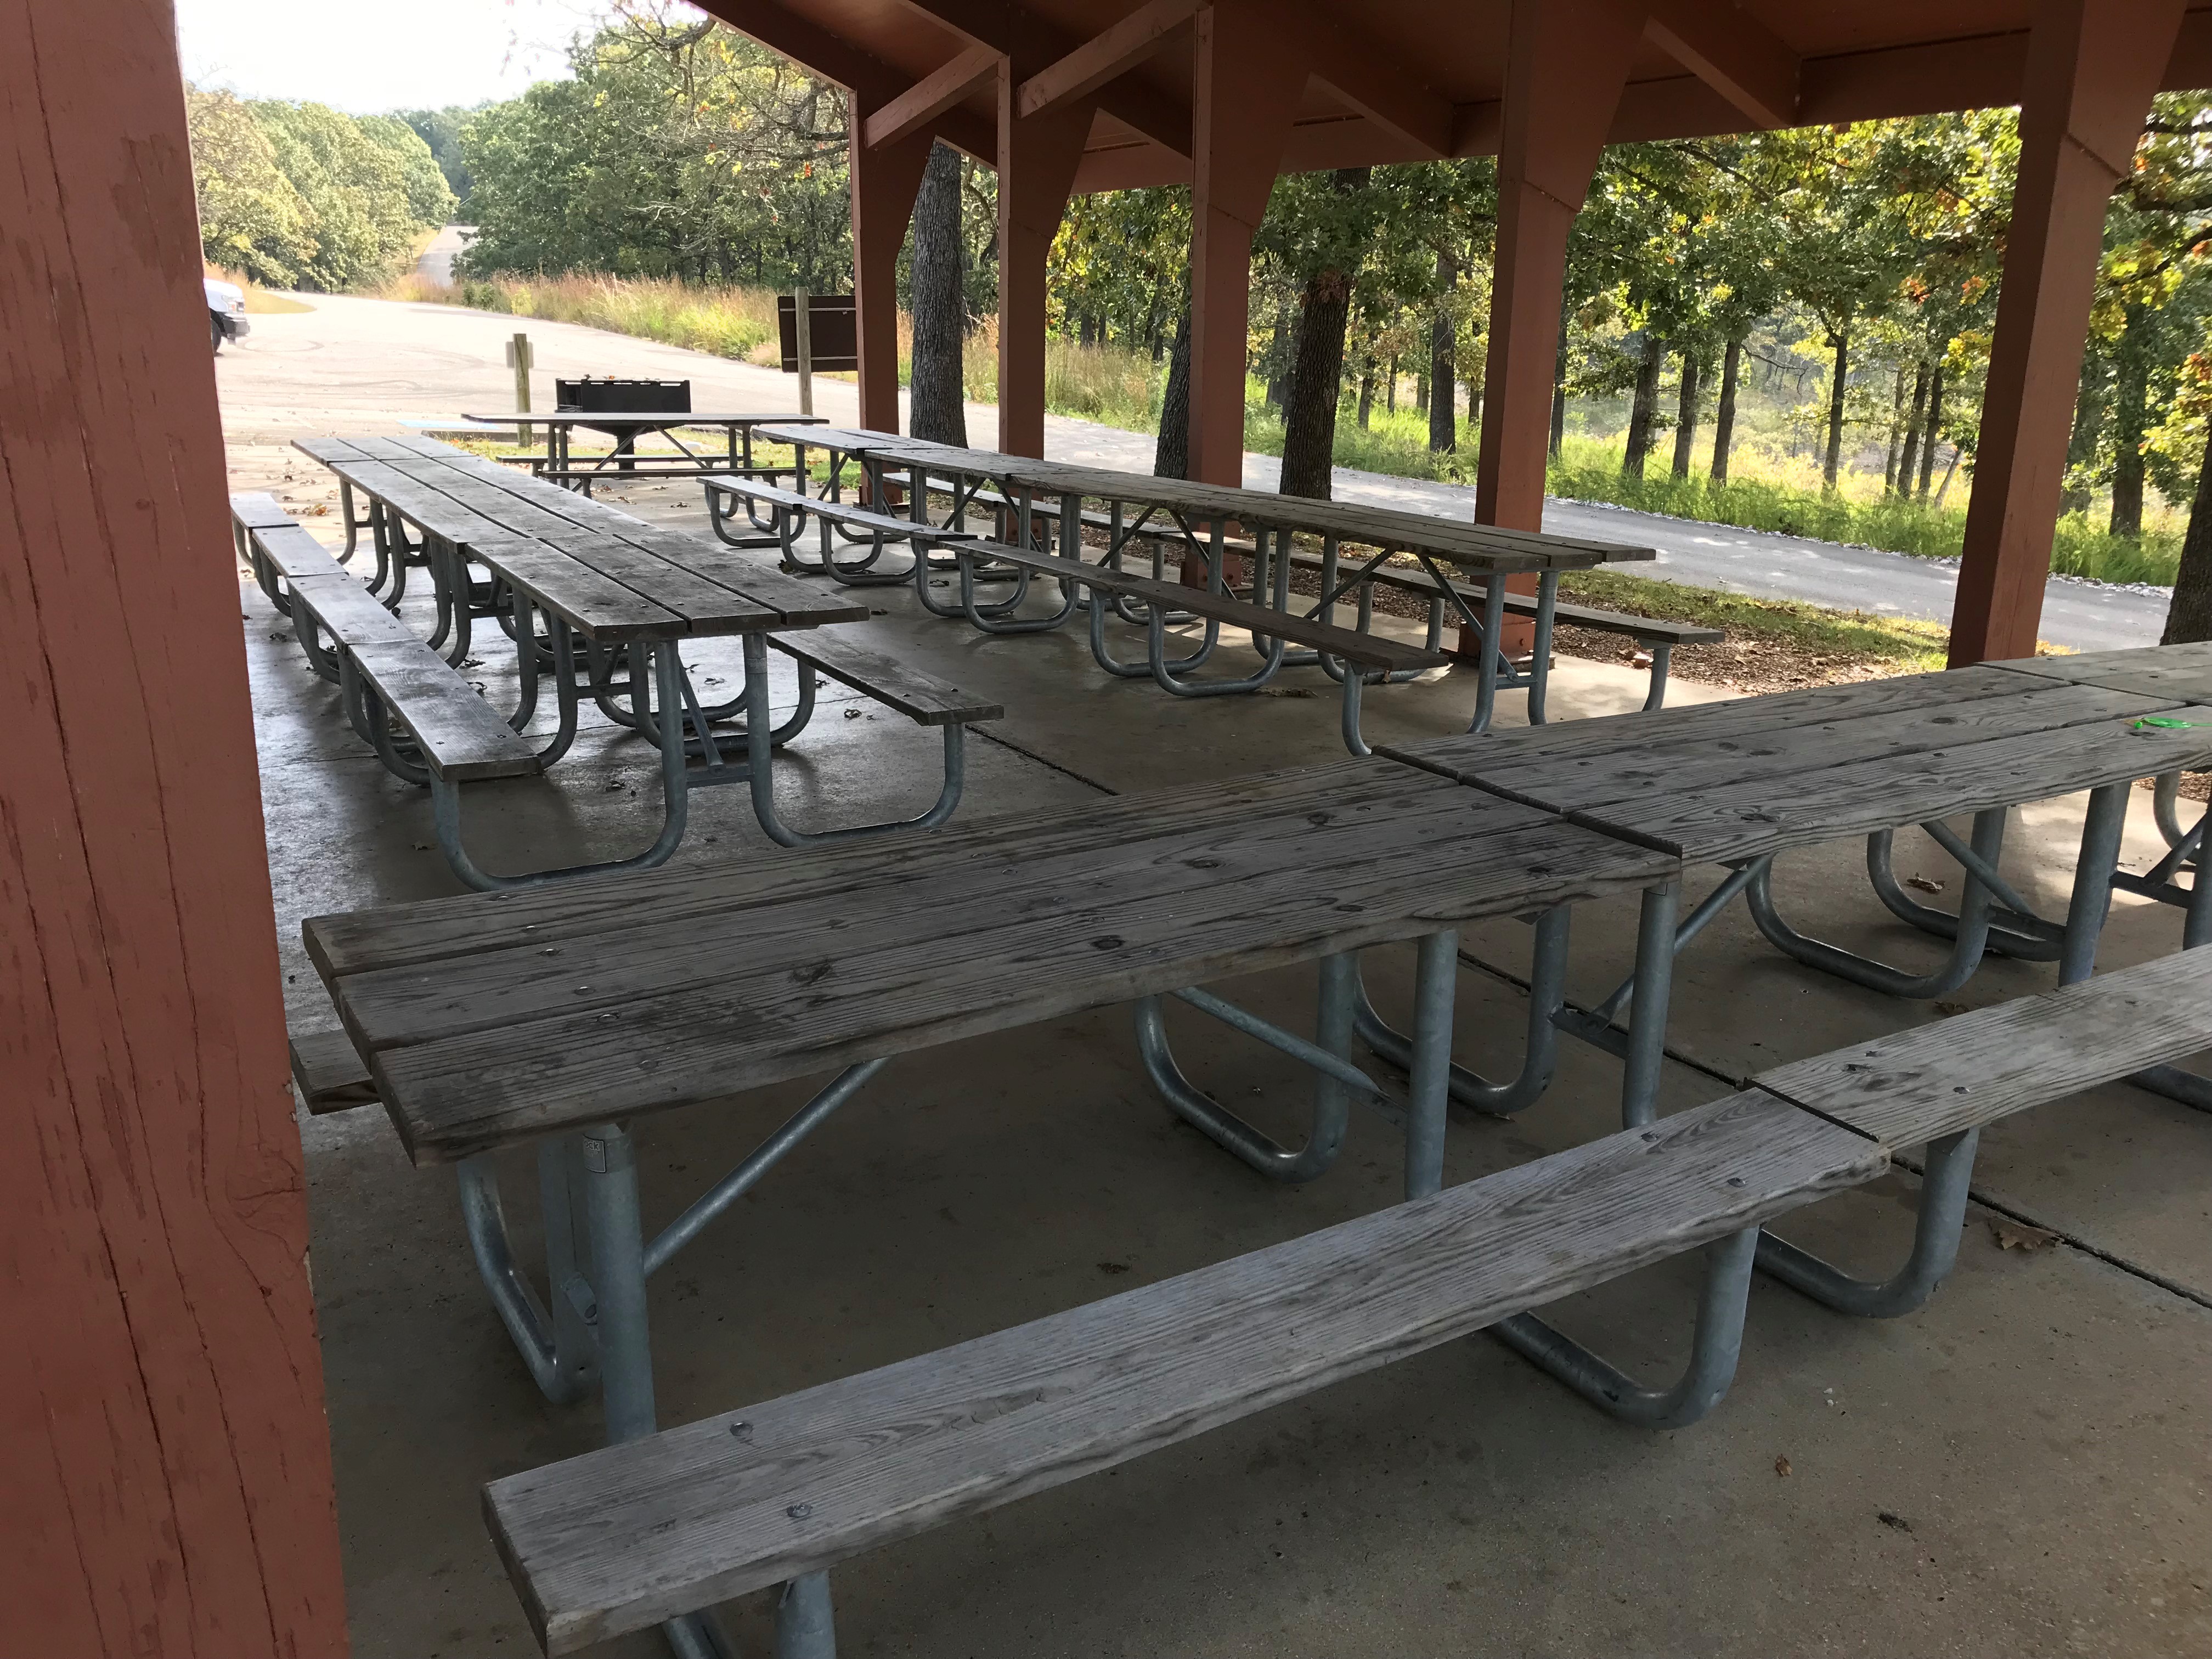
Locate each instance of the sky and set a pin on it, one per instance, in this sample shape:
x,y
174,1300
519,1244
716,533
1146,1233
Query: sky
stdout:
x,y
369,55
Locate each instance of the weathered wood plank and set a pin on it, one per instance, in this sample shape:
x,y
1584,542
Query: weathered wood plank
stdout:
x,y
600,607
296,555
349,612
706,605
330,1073
621,1538
2182,672
512,1020
258,510
1976,1067
459,736
1472,759
1694,768
921,697
1769,815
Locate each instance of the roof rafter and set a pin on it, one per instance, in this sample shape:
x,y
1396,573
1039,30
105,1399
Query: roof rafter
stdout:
x,y
1031,42
1732,52
931,96
1105,55
1383,87
872,82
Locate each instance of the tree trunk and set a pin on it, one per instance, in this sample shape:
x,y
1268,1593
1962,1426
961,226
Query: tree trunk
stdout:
x,y
1309,424
2130,399
1443,425
938,409
1171,457
1950,472
2188,616
1724,416
1912,454
1841,339
1935,428
1640,410
1560,394
1421,393
1390,396
2088,428
1278,363
1366,393
1896,434
1686,415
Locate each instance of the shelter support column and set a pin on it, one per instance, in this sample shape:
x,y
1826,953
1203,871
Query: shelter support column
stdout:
x,y
885,179
2092,67
1037,158
1566,63
1247,85
165,1458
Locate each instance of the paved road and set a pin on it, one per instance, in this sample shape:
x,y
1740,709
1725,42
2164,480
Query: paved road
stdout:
x,y
363,365
437,261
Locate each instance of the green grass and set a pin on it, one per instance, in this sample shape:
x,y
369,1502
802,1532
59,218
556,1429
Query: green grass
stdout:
x,y
1904,646
1589,470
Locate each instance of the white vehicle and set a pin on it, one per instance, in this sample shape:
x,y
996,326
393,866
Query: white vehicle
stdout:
x,y
225,303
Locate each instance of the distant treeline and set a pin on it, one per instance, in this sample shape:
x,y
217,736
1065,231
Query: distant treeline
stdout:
x,y
301,196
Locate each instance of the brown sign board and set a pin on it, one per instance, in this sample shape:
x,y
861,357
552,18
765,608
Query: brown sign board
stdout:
x,y
833,336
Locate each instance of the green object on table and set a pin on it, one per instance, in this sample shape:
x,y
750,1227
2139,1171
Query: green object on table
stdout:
x,y
2160,723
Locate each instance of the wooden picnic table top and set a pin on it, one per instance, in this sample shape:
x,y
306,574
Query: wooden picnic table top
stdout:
x,y
613,577
490,1019
1467,546
1731,781
662,418
2180,672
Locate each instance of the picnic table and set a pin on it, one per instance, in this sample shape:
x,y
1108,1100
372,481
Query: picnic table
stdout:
x,y
624,596
558,1016
1203,518
561,464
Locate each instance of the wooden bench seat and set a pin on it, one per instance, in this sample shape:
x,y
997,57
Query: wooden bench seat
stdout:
x,y
1369,650
330,1073
635,1533
882,526
628,1536
459,737
922,698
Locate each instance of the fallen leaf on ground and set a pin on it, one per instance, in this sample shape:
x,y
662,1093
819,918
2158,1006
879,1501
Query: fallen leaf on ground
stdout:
x,y
1896,1521
1782,1466
1947,1009
1924,884
2018,1236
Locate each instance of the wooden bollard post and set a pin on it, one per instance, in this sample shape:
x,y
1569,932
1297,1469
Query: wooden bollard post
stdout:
x,y
518,359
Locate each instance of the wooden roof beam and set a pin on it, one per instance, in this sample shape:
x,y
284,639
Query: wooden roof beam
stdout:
x,y
1732,52
930,97
872,82
1385,90
1031,42
1104,56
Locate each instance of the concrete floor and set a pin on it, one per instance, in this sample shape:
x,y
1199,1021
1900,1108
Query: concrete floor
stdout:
x,y
2019,1470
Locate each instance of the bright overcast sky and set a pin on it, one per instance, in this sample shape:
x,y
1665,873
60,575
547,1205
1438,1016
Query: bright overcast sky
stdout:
x,y
368,56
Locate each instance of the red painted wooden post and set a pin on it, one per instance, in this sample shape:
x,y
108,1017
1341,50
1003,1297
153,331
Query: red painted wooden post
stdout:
x,y
1247,84
1037,158
165,1460
884,180
1566,62
2092,67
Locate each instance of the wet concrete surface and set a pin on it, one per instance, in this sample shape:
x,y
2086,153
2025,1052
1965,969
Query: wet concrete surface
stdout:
x,y
2019,1469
